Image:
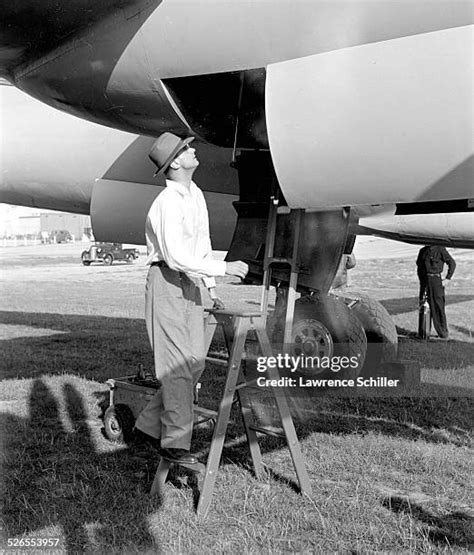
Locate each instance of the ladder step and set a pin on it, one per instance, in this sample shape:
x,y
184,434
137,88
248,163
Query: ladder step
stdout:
x,y
224,361
276,260
218,361
275,432
207,413
251,383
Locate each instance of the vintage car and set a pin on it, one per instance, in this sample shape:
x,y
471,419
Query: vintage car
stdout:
x,y
108,253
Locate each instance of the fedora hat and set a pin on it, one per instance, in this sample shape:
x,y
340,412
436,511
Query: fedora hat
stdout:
x,y
165,149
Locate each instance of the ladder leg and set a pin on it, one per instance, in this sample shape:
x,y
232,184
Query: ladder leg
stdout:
x,y
210,325
269,252
267,278
291,298
290,312
157,488
245,411
252,439
286,419
218,437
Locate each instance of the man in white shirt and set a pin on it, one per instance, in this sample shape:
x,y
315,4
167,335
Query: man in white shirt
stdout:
x,y
179,254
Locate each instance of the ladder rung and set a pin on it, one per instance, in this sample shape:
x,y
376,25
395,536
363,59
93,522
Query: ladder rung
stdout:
x,y
201,411
223,361
268,431
241,385
279,260
218,361
254,387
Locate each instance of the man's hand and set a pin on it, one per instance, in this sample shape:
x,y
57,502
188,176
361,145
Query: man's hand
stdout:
x,y
446,281
237,268
218,304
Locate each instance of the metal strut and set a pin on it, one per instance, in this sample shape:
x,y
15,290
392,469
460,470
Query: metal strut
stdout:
x,y
271,260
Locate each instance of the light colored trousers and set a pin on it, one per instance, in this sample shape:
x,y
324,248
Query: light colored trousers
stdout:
x,y
175,324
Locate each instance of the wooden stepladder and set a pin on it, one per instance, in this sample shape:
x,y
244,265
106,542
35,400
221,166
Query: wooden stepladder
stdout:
x,y
236,325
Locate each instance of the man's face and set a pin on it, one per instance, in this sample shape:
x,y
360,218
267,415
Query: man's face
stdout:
x,y
187,158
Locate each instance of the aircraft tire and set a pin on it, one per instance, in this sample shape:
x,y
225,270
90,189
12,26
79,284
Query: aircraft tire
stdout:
x,y
344,328
118,423
380,329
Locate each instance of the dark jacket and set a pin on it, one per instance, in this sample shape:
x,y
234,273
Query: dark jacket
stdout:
x,y
431,260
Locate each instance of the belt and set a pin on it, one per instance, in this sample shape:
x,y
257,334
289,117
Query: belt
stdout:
x,y
160,263
437,275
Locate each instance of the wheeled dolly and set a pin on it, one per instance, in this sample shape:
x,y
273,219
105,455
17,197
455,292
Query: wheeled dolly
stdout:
x,y
128,396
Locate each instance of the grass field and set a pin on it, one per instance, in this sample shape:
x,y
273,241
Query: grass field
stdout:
x,y
388,475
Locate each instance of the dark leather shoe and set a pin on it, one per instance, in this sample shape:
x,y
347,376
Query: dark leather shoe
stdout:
x,y
178,456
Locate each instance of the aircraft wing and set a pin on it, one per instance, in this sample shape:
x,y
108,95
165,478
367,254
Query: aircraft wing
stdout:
x,y
357,102
55,161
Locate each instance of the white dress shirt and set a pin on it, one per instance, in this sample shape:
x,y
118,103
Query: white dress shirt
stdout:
x,y
177,231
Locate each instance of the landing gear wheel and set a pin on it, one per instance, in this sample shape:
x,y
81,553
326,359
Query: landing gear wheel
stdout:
x,y
311,338
380,329
335,321
108,259
118,423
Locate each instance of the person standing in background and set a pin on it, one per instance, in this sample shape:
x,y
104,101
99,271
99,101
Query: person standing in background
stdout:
x,y
430,263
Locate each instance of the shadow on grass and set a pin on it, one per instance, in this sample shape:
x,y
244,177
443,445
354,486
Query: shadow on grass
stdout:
x,y
101,348
94,347
409,304
444,420
410,334
435,420
453,355
53,476
454,529
462,329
